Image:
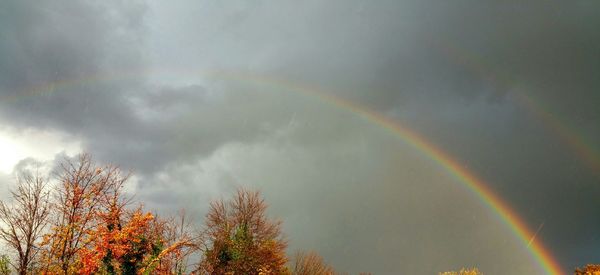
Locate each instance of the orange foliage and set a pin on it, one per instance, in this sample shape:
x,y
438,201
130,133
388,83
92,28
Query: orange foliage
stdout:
x,y
93,232
464,271
590,269
83,191
119,245
178,242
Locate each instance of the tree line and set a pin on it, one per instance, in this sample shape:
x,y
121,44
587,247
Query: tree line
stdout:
x,y
82,222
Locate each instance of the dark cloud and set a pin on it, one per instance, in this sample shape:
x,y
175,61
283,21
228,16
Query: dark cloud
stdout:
x,y
51,52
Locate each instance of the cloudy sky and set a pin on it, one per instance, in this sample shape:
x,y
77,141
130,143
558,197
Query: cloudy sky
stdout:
x,y
199,97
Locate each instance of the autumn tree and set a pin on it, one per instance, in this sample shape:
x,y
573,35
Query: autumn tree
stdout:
x,y
83,189
94,229
310,263
590,269
240,239
463,271
176,236
120,242
24,219
134,242
120,247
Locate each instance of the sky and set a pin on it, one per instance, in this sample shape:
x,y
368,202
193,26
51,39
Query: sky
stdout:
x,y
197,98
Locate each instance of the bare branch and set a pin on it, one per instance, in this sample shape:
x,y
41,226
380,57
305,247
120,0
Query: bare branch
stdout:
x,y
25,219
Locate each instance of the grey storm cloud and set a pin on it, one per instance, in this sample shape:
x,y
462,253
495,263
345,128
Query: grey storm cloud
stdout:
x,y
54,41
87,45
343,185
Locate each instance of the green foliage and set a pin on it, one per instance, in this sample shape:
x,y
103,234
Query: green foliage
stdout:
x,y
152,262
4,265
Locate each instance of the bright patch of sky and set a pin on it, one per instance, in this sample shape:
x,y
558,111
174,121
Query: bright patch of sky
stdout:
x,y
39,144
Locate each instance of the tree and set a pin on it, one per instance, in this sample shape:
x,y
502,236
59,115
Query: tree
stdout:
x,y
240,239
310,263
590,269
25,219
463,271
83,189
94,231
120,241
176,236
121,245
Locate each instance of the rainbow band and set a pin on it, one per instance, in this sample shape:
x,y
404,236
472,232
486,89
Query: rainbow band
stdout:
x,y
542,256
452,167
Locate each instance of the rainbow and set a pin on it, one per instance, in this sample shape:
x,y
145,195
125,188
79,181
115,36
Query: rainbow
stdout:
x,y
551,122
451,166
478,187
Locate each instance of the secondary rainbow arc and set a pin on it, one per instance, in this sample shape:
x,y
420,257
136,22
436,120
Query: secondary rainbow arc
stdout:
x,y
477,65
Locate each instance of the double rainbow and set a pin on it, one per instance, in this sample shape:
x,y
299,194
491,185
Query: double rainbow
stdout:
x,y
478,187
